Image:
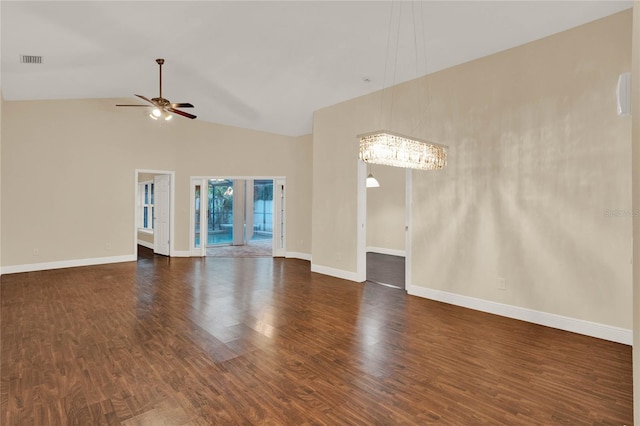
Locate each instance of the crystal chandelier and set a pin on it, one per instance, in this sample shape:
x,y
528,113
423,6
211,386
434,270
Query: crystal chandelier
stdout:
x,y
392,149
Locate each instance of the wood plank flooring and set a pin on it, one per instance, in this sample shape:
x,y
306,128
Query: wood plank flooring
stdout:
x,y
265,341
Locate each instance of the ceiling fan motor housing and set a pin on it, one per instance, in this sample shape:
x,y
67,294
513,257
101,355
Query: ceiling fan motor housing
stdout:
x,y
161,102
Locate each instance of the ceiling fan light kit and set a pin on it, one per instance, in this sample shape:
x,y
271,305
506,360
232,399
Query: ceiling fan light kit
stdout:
x,y
156,114
162,107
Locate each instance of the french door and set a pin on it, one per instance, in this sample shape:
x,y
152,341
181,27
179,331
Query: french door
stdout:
x,y
237,211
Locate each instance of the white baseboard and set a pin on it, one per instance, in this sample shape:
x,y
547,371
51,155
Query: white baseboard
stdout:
x,y
145,244
30,267
298,255
382,250
338,273
587,328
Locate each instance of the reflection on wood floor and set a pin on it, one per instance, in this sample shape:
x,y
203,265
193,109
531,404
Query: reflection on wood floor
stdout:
x,y
185,341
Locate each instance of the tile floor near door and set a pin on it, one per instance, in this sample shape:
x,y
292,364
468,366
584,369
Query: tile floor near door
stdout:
x,y
254,248
386,269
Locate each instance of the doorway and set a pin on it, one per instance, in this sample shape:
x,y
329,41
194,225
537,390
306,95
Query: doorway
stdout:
x,y
383,238
154,212
237,216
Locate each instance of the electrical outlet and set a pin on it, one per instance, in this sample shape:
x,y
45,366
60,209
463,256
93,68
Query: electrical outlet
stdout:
x,y
36,252
108,246
502,283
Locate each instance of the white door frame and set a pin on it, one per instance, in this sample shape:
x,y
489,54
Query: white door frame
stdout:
x,y
279,217
172,197
203,181
408,191
202,250
361,234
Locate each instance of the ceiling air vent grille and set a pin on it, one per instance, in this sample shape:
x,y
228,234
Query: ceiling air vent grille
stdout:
x,y
30,59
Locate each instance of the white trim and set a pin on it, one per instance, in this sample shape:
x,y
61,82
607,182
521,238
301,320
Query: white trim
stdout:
x,y
146,231
208,177
279,217
298,255
338,273
30,267
182,253
588,328
382,250
202,250
361,221
146,244
408,228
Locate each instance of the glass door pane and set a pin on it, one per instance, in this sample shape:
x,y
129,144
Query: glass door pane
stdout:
x,y
281,239
220,212
262,210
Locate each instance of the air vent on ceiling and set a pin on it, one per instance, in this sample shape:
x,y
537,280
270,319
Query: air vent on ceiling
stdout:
x,y
30,59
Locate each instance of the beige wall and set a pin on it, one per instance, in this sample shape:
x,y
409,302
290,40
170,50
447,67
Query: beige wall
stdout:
x,y
231,151
537,158
386,209
1,104
299,225
635,110
335,186
537,189
72,175
146,177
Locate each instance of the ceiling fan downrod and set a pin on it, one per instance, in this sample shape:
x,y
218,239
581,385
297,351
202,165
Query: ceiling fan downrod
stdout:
x,y
160,61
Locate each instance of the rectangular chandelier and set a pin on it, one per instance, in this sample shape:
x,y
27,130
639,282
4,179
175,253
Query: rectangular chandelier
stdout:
x,y
392,149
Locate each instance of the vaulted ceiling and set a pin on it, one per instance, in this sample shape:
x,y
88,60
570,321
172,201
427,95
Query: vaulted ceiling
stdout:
x,y
262,65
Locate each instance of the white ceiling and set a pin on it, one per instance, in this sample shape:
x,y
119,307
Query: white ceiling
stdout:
x,y
261,65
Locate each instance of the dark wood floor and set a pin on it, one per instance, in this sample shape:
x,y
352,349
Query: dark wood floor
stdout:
x,y
264,341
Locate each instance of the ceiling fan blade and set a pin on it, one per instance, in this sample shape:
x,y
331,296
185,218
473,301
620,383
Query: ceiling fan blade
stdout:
x,y
146,99
182,113
146,106
182,105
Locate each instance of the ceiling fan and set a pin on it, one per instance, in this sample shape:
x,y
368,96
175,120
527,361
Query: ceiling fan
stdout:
x,y
162,107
